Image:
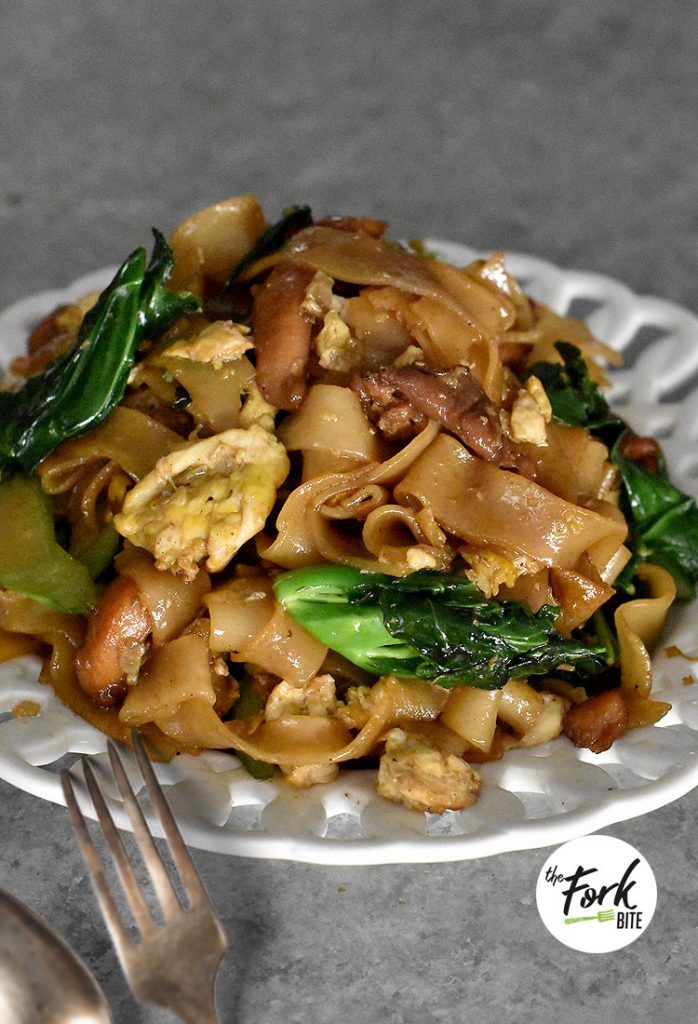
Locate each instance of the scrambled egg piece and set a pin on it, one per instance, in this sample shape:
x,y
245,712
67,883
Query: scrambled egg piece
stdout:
x,y
334,344
316,697
412,354
256,409
424,777
530,414
205,500
418,558
304,775
490,569
219,342
319,297
356,709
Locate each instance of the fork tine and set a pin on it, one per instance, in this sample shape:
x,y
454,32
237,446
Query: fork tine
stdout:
x,y
180,854
166,894
132,889
100,885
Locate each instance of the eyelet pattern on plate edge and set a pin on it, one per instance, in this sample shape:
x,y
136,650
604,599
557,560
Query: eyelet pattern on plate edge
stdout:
x,y
531,798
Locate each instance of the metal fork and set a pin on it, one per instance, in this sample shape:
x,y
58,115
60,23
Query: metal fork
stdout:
x,y
174,965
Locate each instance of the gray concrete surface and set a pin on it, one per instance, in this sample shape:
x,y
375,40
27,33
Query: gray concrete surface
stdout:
x,y
563,129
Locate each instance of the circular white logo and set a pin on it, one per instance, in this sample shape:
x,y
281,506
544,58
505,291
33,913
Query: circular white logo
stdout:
x,y
596,894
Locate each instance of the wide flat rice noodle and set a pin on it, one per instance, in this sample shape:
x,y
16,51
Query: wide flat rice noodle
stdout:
x,y
216,393
172,601
17,645
306,537
572,464
305,739
331,420
208,244
129,438
578,597
644,711
494,508
176,672
377,318
284,648
360,259
441,333
638,625
492,311
532,588
238,610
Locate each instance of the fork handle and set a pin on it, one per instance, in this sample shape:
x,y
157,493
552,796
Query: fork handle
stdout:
x,y
573,920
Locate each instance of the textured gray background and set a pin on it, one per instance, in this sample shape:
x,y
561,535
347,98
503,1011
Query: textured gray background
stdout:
x,y
567,130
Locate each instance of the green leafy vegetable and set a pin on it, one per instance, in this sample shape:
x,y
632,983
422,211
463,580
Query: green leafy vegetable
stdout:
x,y
97,553
294,219
79,389
663,520
430,625
32,562
574,397
607,637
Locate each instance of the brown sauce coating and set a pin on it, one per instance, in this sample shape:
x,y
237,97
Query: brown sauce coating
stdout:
x,y
598,722
645,451
453,398
281,329
115,637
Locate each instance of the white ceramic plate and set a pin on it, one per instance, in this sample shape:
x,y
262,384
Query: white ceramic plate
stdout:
x,y
529,799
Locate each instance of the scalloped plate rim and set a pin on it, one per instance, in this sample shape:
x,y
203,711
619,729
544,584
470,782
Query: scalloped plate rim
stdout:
x,y
529,833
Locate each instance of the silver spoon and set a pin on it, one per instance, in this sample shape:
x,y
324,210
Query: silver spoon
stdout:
x,y
42,981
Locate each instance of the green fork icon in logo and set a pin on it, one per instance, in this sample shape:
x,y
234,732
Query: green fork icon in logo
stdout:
x,y
601,916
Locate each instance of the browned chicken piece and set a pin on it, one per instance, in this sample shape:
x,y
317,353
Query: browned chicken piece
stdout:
x,y
396,418
598,722
456,400
281,327
643,450
358,225
114,645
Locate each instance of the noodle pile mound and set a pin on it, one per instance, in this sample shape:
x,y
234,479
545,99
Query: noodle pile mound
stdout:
x,y
344,504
